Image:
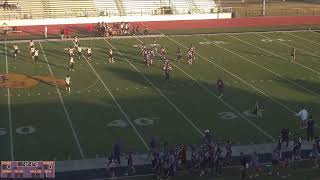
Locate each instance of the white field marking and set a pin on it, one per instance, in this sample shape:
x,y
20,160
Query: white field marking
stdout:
x,y
263,67
9,107
82,39
118,105
276,101
292,46
160,92
237,77
150,36
223,101
275,54
302,38
63,106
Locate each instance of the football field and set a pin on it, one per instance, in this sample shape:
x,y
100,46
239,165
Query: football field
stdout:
x,y
129,103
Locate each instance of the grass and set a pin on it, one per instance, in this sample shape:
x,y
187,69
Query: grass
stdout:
x,y
139,104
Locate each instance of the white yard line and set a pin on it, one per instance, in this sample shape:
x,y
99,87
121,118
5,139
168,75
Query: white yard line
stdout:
x,y
160,92
275,54
292,46
302,38
242,80
237,77
263,67
223,101
118,105
9,107
148,36
64,107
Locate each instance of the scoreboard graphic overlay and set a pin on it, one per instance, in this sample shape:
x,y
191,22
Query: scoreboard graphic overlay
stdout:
x,y
27,169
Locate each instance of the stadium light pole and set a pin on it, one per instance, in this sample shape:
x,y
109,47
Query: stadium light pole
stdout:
x,y
263,7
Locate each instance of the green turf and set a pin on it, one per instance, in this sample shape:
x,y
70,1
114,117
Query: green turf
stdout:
x,y
177,109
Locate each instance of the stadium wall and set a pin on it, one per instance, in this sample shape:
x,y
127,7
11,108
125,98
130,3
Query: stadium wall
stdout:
x,y
112,19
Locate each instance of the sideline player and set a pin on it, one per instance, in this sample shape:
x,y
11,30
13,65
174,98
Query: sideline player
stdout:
x,y
293,54
16,50
36,56
32,52
220,86
89,52
76,41
258,110
155,45
303,115
31,44
68,83
70,50
163,53
167,69
179,54
110,56
79,49
71,64
143,48
190,57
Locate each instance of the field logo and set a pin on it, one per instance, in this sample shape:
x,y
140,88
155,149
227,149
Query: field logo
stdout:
x,y
139,122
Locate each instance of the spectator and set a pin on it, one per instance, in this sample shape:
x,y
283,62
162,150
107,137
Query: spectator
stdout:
x,y
117,152
67,33
244,166
284,137
126,29
133,30
146,31
90,29
296,149
284,165
111,168
5,5
122,28
137,30
62,33
275,161
228,157
218,161
255,165
303,115
310,129
130,167
315,155
45,32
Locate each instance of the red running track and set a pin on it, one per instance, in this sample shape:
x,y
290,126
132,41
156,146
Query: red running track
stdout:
x,y
192,24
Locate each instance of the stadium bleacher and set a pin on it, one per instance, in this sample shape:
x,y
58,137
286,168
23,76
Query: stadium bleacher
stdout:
x,y
83,8
138,7
106,7
13,11
79,8
205,6
181,6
